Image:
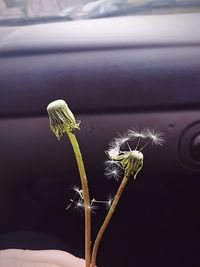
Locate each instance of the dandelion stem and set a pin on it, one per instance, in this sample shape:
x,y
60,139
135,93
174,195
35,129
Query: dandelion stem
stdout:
x,y
107,219
86,196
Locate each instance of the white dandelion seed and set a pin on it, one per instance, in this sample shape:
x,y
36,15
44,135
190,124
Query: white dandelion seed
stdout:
x,y
78,191
109,202
121,140
79,206
134,134
113,172
112,153
70,203
110,163
114,145
156,137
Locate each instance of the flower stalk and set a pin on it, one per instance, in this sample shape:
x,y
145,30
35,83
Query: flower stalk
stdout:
x,y
62,121
86,197
131,163
107,220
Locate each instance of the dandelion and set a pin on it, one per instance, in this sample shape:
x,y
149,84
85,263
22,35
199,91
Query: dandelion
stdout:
x,y
63,121
61,118
130,161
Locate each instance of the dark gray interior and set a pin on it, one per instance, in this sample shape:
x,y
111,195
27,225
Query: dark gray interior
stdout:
x,y
115,74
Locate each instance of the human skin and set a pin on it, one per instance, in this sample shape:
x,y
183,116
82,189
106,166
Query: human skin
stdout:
x,y
38,258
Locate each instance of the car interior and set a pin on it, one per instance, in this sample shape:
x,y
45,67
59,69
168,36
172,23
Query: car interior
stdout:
x,y
115,74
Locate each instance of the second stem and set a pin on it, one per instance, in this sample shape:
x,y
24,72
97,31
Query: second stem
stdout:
x,y
107,219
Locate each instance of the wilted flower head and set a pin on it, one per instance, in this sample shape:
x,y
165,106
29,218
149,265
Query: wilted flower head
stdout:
x,y
61,118
130,160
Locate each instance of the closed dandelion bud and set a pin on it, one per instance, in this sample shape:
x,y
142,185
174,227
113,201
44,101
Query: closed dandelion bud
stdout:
x,y
61,118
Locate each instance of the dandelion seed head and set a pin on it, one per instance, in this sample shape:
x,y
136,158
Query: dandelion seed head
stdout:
x,y
130,162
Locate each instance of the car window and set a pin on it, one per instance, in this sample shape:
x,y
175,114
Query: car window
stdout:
x,y
14,12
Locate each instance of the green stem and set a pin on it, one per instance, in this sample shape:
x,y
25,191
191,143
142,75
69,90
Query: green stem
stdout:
x,y
86,196
107,219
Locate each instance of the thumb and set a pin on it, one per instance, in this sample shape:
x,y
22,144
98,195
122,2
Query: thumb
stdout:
x,y
39,258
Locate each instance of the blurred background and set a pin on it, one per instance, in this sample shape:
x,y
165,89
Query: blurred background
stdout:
x,y
26,10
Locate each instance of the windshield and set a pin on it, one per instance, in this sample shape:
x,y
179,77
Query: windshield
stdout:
x,y
21,12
